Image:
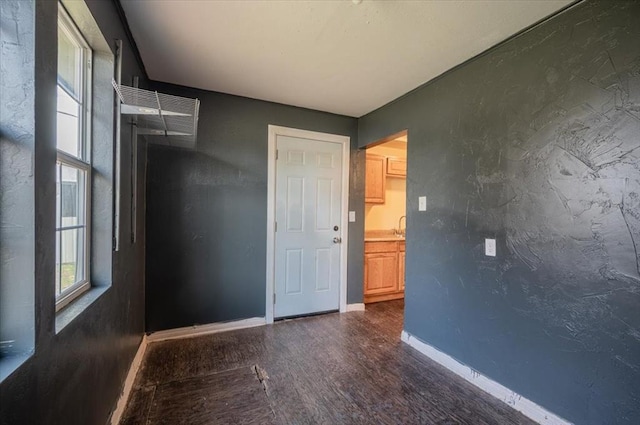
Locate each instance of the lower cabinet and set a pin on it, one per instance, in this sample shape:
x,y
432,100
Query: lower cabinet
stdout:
x,y
383,270
380,272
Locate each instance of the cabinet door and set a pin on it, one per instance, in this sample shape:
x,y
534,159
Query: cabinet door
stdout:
x,y
401,260
375,178
397,167
380,273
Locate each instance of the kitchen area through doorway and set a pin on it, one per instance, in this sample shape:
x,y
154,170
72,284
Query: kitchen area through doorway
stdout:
x,y
385,219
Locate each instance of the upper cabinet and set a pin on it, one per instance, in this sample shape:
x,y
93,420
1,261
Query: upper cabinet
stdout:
x,y
375,178
396,167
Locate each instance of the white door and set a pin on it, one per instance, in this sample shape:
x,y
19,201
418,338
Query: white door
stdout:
x,y
308,201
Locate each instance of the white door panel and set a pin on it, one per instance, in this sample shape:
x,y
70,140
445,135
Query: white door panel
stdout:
x,y
308,211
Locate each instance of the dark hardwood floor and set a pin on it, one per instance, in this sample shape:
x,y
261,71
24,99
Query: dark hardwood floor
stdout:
x,y
333,369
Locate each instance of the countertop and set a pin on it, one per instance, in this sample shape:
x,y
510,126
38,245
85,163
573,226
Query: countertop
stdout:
x,y
381,236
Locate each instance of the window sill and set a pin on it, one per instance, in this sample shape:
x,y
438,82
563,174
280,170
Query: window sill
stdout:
x,y
10,363
77,306
72,296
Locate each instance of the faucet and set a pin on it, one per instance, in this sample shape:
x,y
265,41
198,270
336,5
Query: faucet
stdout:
x,y
399,231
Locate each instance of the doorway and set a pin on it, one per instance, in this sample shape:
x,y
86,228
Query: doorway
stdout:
x,y
308,187
385,219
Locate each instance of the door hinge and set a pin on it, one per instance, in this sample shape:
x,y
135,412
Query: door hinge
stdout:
x,y
274,298
275,226
277,154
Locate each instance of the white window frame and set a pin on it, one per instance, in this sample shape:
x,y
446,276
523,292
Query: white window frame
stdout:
x,y
82,163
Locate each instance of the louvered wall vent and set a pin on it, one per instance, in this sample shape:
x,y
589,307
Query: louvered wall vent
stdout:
x,y
163,118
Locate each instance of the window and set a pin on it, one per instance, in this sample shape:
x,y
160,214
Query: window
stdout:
x,y
73,168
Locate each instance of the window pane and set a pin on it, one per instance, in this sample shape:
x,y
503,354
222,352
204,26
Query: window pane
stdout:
x,y
68,125
57,263
72,197
71,184
69,60
58,197
67,104
71,257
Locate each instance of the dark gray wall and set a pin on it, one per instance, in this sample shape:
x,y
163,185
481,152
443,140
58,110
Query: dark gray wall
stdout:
x,y
207,211
536,143
74,376
17,144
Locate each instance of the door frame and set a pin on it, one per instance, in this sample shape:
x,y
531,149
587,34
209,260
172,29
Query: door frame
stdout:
x,y
274,132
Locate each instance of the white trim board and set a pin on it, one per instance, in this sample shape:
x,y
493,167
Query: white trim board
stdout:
x,y
355,307
128,382
275,131
525,406
199,330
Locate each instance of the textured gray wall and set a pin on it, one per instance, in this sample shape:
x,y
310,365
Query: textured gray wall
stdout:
x,y
536,143
207,211
74,376
17,144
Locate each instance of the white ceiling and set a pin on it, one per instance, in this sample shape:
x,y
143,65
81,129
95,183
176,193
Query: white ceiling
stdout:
x,y
333,56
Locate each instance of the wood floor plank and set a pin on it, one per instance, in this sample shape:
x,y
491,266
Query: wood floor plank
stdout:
x,y
330,369
137,409
201,356
232,397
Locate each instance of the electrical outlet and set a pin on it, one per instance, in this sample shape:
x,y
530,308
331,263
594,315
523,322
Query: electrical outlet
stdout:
x,y
422,203
490,247
352,216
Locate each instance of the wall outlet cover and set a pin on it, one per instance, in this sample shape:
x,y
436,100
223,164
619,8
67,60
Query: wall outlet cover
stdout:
x,y
352,216
490,247
422,203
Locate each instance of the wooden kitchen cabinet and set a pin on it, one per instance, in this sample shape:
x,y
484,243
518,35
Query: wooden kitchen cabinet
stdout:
x,y
383,270
396,167
380,271
375,179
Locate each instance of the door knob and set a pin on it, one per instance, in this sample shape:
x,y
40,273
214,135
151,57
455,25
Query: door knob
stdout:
x,y
337,240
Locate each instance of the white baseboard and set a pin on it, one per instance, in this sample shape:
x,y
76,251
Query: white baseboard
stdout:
x,y
128,383
355,307
198,330
526,407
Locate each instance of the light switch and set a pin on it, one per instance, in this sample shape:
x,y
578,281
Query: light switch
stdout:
x,y
490,247
352,216
422,203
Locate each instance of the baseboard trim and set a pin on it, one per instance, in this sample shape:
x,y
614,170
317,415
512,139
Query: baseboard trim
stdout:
x,y
525,406
212,328
355,307
128,383
398,295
